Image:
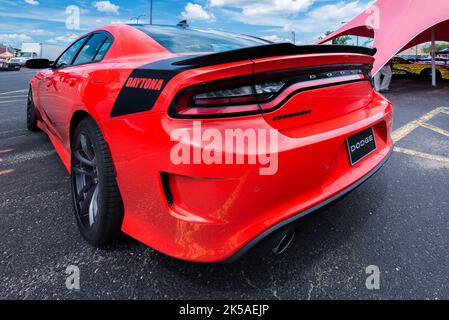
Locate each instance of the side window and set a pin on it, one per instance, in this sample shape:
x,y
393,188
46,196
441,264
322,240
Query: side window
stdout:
x,y
89,52
67,57
103,50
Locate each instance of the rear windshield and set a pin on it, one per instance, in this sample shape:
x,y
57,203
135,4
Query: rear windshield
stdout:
x,y
181,40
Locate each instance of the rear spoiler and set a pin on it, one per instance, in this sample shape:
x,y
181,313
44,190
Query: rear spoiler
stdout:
x,y
270,50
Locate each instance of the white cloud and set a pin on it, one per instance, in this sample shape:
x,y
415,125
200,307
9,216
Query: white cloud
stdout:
x,y
341,11
71,37
196,12
106,6
41,32
30,18
278,13
14,37
309,24
32,2
276,38
259,8
331,17
122,21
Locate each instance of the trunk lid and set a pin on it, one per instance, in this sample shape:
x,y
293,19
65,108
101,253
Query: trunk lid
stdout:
x,y
318,87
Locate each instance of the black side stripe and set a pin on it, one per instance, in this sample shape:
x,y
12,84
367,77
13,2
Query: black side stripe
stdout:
x,y
137,99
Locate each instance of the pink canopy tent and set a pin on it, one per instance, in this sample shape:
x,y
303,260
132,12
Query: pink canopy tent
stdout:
x,y
397,25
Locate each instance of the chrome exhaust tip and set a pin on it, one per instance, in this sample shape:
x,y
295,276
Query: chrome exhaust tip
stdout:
x,y
284,243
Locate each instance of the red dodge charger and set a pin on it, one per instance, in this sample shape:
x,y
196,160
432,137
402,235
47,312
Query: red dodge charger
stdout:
x,y
201,143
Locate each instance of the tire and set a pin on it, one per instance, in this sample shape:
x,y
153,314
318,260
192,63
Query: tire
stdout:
x,y
426,74
31,113
95,194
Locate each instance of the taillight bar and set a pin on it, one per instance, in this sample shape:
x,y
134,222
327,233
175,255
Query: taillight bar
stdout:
x,y
301,86
259,93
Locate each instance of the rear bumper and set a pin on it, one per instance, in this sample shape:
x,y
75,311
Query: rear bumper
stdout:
x,y
290,222
218,212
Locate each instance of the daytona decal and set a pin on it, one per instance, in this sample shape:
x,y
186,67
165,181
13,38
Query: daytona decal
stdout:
x,y
144,85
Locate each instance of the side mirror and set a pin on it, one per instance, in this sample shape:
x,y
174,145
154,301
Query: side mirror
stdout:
x,y
38,64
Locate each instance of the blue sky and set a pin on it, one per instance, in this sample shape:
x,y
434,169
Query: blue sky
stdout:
x,y
46,20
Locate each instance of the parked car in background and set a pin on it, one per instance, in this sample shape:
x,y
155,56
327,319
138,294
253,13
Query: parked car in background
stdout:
x,y
36,50
422,69
412,57
439,61
18,62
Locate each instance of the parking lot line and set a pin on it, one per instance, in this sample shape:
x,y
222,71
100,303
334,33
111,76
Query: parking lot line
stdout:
x,y
435,129
421,122
16,91
10,101
421,154
13,96
409,127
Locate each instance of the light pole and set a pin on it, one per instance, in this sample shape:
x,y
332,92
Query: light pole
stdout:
x,y
434,68
294,37
151,11
138,18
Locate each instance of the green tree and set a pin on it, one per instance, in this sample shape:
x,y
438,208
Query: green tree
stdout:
x,y
439,47
339,40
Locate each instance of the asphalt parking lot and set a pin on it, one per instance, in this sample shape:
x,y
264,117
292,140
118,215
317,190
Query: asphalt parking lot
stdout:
x,y
398,221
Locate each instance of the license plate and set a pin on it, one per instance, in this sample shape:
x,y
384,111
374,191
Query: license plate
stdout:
x,y
361,145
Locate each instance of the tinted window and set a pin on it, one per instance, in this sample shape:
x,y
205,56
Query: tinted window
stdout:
x,y
180,40
90,49
103,50
67,57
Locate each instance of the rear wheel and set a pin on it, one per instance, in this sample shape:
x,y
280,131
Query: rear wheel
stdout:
x,y
31,113
95,194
